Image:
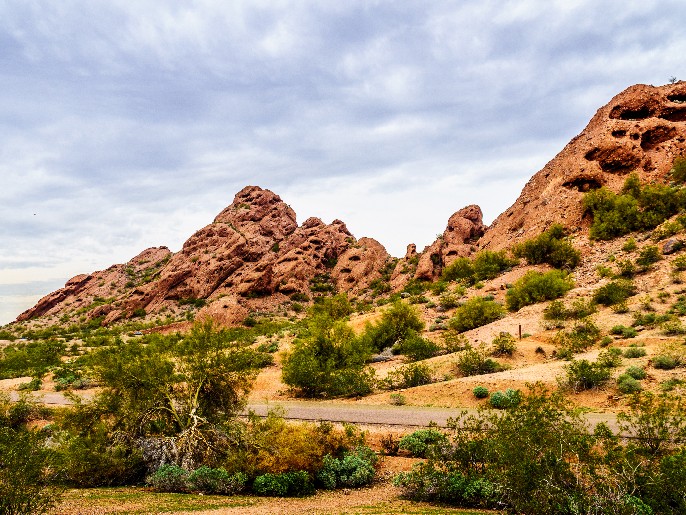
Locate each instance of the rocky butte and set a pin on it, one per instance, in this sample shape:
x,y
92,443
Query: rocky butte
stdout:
x,y
254,256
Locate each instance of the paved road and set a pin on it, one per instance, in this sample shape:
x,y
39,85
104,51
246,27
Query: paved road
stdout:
x,y
387,415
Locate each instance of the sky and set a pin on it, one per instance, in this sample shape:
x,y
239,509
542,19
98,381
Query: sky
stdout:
x,y
127,125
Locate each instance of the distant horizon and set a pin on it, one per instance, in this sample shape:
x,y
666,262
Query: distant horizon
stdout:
x,y
131,126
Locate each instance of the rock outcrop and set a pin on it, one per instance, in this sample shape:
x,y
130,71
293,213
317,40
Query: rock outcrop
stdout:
x,y
253,255
642,129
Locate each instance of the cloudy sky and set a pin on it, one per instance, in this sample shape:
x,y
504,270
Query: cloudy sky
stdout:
x,y
126,125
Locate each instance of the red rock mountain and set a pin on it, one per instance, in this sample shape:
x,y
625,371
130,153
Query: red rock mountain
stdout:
x,y
254,255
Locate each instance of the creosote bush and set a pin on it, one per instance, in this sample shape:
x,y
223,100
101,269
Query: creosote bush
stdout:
x,y
551,247
504,345
419,442
485,265
474,361
538,287
614,292
476,312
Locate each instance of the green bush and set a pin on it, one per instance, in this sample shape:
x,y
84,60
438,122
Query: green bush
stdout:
x,y
580,308
472,362
584,375
398,323
636,372
507,399
629,245
407,376
428,483
476,312
614,292
286,484
537,287
551,247
627,384
168,478
216,481
504,344
634,352
636,208
624,332
480,392
648,255
665,362
416,348
485,265
610,358
679,170
583,335
352,470
419,442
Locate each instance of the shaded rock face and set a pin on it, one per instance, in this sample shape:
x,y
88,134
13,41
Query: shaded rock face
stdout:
x,y
252,255
642,129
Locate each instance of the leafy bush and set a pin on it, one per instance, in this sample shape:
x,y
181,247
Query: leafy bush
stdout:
x,y
485,265
419,442
537,287
634,352
398,323
636,208
416,348
636,372
679,170
665,362
507,399
550,247
580,308
476,312
648,255
407,376
624,332
629,245
582,336
216,481
610,358
472,362
584,375
480,392
352,470
627,384
168,478
504,344
287,484
614,292
428,483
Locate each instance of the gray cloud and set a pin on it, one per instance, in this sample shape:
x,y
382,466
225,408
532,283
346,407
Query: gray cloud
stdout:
x,y
130,124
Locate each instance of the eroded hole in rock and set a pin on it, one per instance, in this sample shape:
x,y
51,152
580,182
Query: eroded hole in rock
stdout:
x,y
619,133
452,253
345,270
354,258
626,113
582,184
674,115
653,137
677,97
614,160
635,135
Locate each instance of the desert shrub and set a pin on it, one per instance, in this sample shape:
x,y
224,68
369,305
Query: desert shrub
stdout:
x,y
507,399
329,360
679,263
428,482
580,308
626,269
537,287
629,245
168,478
624,332
485,265
33,358
551,247
286,484
503,344
453,341
614,292
610,358
472,362
679,170
648,255
390,445
352,470
636,372
667,229
476,312
665,362
673,328
584,375
650,319
634,352
582,336
419,442
398,323
480,392
216,481
26,467
636,208
416,348
448,300
397,399
407,376
627,384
